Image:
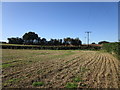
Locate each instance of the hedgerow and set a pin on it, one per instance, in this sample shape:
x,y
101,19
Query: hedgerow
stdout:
x,y
51,47
113,48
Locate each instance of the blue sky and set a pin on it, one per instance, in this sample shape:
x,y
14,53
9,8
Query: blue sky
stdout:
x,y
61,19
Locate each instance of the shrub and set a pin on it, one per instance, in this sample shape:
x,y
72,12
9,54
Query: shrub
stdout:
x,y
77,79
71,85
112,48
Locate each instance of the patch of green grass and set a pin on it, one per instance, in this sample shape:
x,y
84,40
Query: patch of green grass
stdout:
x,y
77,79
5,84
8,62
69,53
63,55
13,80
71,85
42,53
38,84
6,65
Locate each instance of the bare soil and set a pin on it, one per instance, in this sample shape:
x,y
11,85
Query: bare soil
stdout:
x,y
55,68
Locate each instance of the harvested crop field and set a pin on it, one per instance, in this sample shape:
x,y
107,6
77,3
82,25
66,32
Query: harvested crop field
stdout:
x,y
59,69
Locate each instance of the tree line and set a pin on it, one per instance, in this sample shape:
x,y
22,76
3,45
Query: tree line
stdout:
x,y
31,38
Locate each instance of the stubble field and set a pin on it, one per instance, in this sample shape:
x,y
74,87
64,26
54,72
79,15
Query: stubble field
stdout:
x,y
59,69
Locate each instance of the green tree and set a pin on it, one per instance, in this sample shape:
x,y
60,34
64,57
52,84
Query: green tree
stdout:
x,y
67,41
76,41
93,43
16,40
37,41
30,37
43,41
71,41
60,41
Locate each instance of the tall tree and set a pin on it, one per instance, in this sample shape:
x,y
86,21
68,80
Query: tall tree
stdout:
x,y
67,41
43,41
71,41
30,37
